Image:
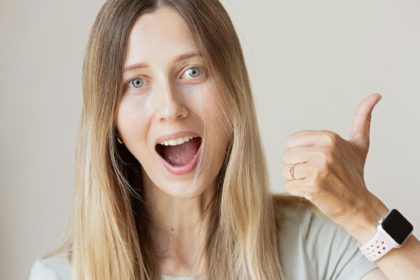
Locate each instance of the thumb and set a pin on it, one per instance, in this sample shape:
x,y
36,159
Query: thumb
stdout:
x,y
360,133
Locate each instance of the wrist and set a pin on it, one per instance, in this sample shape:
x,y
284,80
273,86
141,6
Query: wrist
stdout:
x,y
393,230
364,222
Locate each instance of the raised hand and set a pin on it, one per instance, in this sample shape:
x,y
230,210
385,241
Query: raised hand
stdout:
x,y
329,171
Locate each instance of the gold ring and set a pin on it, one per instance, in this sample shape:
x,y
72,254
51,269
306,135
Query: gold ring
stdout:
x,y
292,171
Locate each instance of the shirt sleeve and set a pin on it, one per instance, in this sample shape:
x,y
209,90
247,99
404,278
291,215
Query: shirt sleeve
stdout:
x,y
333,252
54,268
40,272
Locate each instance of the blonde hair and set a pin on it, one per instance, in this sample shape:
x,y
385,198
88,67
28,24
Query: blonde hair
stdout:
x,y
109,238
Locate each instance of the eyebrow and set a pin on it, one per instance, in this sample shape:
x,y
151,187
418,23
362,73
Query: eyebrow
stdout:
x,y
177,58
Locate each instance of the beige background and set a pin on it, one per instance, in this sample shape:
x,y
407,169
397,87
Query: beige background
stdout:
x,y
310,63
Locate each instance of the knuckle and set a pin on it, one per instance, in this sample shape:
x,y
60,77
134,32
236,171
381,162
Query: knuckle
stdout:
x,y
289,140
326,158
331,138
285,172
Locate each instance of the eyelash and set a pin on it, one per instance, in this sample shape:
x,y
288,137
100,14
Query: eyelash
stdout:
x,y
201,69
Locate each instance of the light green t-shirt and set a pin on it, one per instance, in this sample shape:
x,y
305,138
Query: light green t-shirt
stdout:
x,y
311,247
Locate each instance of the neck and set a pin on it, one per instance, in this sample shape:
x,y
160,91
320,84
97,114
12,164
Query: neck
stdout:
x,y
178,227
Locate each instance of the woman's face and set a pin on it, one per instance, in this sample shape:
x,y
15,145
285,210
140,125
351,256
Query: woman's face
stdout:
x,y
170,98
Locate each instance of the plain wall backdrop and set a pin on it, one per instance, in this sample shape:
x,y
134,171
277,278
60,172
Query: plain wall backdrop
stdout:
x,y
310,64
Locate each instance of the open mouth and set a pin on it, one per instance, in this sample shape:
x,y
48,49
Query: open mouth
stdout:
x,y
178,155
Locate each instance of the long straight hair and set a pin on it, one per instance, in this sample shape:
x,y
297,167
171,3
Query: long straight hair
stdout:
x,y
109,237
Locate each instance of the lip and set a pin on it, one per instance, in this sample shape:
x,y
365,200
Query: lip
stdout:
x,y
181,170
175,135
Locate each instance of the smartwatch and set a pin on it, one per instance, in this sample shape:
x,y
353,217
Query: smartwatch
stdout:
x,y
392,231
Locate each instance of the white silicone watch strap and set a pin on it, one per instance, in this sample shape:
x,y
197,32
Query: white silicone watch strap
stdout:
x,y
379,245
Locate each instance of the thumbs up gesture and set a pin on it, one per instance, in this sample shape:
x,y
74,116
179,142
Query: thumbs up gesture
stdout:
x,y
329,171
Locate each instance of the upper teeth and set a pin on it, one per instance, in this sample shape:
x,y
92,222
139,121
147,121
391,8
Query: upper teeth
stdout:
x,y
178,141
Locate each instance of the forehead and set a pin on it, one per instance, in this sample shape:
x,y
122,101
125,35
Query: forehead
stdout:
x,y
158,37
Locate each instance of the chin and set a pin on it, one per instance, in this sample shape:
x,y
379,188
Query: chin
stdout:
x,y
184,190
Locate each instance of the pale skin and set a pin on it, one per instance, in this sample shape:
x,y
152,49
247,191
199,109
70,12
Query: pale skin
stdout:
x,y
331,176
168,103
170,99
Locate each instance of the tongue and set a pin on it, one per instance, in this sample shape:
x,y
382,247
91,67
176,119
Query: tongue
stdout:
x,y
180,155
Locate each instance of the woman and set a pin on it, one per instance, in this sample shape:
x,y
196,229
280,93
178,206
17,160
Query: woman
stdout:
x,y
171,177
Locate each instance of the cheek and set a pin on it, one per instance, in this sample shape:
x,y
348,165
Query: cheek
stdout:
x,y
207,102
131,122
215,116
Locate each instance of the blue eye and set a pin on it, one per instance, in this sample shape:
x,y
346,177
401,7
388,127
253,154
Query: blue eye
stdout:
x,y
194,71
136,83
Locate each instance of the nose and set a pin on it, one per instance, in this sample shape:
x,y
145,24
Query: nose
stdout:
x,y
171,106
